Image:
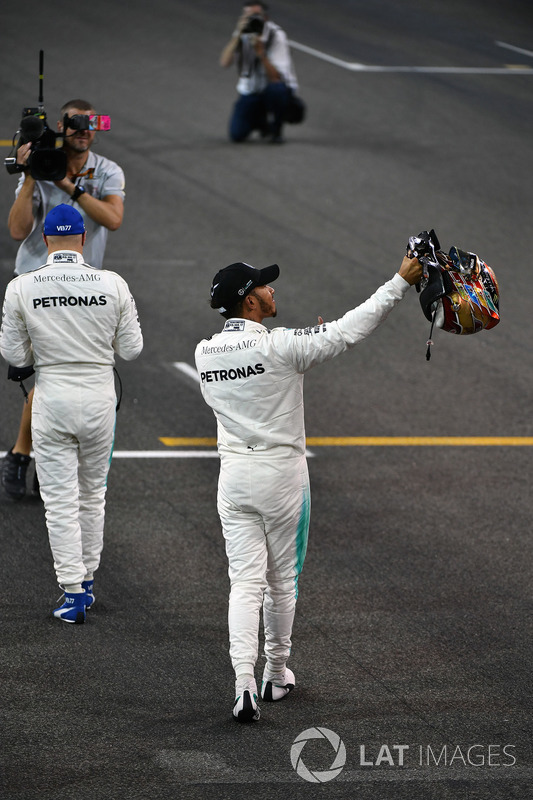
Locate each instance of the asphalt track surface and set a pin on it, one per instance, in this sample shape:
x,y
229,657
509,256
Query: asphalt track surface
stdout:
x,y
413,630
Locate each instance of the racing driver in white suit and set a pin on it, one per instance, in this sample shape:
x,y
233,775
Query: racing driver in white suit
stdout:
x,y
68,320
252,378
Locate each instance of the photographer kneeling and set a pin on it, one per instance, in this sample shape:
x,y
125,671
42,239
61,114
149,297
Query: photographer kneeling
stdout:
x,y
266,75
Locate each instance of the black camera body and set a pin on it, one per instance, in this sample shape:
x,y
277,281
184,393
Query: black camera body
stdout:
x,y
254,24
47,161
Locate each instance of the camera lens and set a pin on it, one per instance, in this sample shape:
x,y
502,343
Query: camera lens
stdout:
x,y
255,24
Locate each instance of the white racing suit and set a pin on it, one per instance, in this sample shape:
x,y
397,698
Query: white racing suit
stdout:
x,y
253,380
69,320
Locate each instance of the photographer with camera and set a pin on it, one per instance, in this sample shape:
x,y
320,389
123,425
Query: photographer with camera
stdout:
x,y
94,185
266,75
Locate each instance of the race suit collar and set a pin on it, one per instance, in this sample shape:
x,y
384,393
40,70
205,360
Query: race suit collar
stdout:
x,y
241,324
65,257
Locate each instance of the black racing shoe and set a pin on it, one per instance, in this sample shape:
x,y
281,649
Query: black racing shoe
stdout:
x,y
14,474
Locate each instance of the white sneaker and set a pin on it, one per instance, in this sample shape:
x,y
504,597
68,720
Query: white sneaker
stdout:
x,y
245,708
276,687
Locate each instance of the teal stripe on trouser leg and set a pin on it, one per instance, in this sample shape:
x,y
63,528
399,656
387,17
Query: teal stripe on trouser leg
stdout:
x,y
302,536
280,597
264,509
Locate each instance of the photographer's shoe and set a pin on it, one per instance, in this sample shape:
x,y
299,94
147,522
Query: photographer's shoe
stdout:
x,y
276,687
73,608
14,470
88,586
245,708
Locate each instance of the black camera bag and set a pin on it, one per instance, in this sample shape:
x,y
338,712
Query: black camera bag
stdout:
x,y
296,109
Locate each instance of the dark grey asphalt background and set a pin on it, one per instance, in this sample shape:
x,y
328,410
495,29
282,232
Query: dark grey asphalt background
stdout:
x,y
414,618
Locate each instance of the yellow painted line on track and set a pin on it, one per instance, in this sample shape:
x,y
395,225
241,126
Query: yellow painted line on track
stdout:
x,y
377,441
185,441
418,441
6,142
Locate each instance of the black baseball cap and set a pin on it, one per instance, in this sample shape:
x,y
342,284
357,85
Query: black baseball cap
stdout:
x,y
233,283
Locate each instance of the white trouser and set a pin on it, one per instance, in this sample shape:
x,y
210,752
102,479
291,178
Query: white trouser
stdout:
x,y
73,424
264,507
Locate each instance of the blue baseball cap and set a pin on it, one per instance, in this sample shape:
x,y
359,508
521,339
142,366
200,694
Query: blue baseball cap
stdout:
x,y
63,220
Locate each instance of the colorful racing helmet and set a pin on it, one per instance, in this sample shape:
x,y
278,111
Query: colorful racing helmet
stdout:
x,y
462,292
458,291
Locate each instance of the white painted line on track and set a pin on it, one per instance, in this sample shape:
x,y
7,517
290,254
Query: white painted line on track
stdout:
x,y
515,49
356,67
156,454
182,366
325,57
165,454
174,454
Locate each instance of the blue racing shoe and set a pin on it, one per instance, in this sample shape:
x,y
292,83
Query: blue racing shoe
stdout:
x,y
73,608
89,593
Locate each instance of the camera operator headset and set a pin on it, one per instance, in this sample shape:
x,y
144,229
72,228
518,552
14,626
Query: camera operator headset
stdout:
x,y
94,185
266,74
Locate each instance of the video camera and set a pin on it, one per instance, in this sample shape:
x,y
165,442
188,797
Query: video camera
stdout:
x,y
47,160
